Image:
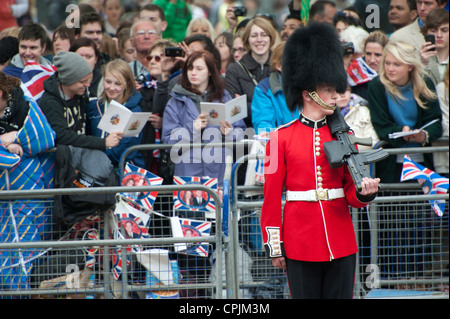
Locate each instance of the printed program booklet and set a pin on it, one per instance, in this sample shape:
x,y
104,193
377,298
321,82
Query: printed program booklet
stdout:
x,y
233,110
119,118
401,134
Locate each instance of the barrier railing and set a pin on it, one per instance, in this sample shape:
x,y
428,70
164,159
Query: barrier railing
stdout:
x,y
241,268
107,290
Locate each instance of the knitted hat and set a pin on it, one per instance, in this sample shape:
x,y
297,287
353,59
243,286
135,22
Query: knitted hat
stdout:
x,y
72,67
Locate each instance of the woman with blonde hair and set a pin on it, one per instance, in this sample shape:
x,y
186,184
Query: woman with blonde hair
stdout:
x,y
119,86
201,26
402,100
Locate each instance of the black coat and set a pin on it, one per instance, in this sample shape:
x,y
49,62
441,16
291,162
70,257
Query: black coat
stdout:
x,y
239,82
67,118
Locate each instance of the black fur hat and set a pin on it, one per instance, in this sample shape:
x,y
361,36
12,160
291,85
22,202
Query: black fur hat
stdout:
x,y
312,56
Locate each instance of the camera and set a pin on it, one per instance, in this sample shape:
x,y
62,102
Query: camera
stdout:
x,y
140,79
347,48
240,11
173,52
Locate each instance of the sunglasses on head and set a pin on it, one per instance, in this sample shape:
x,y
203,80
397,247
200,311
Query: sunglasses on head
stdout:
x,y
151,57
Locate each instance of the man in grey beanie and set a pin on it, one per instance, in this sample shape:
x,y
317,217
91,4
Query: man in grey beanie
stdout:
x,y
64,103
72,67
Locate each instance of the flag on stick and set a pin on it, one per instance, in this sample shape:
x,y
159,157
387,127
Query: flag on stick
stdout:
x,y
432,183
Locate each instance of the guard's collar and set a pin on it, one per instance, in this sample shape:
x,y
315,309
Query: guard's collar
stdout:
x,y
313,124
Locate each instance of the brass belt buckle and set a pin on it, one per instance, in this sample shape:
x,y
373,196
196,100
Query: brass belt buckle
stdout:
x,y
322,194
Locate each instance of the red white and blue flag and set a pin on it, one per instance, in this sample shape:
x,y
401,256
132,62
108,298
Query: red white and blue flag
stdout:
x,y
33,77
136,176
181,200
131,222
358,72
116,260
183,227
435,182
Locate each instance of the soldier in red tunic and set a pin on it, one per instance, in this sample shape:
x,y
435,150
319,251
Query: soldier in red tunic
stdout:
x,y
313,236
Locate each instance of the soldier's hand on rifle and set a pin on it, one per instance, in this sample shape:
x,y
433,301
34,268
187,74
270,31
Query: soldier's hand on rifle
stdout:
x,y
369,186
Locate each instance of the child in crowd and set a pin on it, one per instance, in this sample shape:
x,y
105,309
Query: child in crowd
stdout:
x,y
356,113
118,86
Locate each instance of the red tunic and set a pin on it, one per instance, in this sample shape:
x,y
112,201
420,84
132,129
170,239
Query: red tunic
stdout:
x,y
309,231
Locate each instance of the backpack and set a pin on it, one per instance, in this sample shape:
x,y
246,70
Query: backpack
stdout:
x,y
77,167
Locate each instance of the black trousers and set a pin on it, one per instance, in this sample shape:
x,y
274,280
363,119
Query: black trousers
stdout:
x,y
321,280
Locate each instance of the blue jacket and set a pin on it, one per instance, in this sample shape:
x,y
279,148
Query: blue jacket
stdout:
x,y
269,109
93,117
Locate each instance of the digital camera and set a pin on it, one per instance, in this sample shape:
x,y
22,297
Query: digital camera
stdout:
x,y
140,79
240,11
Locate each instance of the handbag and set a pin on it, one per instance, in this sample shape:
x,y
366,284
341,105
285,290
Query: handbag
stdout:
x,y
166,168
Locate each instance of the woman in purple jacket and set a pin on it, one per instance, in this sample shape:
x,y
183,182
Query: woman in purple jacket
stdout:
x,y
183,122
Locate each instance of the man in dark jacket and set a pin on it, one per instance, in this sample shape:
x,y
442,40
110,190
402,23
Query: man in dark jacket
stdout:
x,y
64,101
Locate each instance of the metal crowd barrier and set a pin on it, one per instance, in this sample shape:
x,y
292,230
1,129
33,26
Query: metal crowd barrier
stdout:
x,y
130,285
239,268
218,272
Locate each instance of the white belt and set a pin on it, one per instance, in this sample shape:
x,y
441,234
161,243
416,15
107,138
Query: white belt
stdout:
x,y
315,195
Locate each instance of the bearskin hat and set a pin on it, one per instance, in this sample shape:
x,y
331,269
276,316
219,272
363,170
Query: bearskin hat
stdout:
x,y
312,55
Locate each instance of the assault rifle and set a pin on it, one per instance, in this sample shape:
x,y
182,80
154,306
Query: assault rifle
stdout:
x,y
344,150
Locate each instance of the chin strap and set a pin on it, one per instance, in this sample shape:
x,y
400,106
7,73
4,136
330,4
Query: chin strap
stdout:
x,y
316,98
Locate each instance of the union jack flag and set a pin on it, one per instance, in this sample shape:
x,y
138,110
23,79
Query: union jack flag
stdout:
x,y
436,183
134,222
128,222
191,228
116,261
359,72
136,176
33,77
91,251
180,198
87,229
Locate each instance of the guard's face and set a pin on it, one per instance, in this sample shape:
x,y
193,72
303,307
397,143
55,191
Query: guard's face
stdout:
x,y
328,94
